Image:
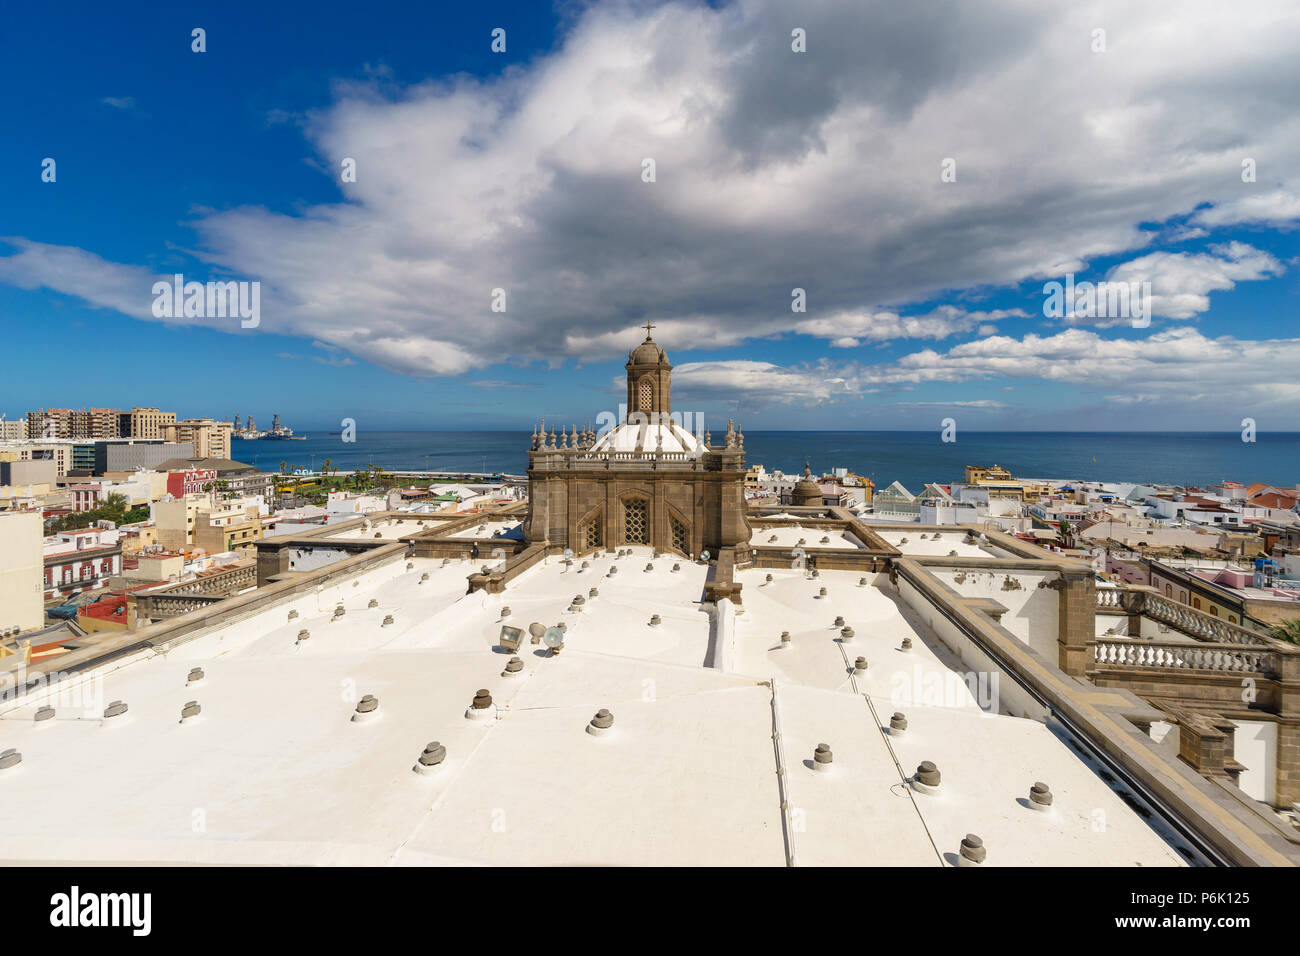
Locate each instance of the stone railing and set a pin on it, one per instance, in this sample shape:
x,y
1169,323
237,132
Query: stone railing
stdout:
x,y
1190,621
1221,658
1111,599
219,583
163,605
1198,624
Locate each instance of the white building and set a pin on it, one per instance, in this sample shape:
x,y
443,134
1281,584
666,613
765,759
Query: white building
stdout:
x,y
21,605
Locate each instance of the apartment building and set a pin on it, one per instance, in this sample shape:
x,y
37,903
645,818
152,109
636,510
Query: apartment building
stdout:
x,y
210,438
146,422
75,423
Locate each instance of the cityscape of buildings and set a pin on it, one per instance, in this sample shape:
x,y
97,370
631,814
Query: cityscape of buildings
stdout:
x,y
1140,611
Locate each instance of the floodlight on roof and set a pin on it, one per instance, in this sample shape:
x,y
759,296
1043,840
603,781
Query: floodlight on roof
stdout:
x,y
554,639
510,637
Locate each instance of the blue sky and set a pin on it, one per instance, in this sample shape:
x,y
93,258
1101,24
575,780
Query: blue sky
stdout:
x,y
775,170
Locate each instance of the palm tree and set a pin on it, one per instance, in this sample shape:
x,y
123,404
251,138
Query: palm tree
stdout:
x,y
284,467
1288,631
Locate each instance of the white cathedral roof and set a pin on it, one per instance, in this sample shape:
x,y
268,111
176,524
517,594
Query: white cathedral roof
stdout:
x,y
667,437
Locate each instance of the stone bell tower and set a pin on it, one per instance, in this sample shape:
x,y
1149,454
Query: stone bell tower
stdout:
x,y
649,381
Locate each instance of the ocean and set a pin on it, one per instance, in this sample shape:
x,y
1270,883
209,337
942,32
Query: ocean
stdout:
x,y
912,458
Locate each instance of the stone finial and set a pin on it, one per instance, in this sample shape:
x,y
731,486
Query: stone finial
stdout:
x,y
481,707
822,757
424,577
10,758
862,582
846,634
195,675
927,777
860,664
601,724
907,644
821,592
303,635
434,753
839,620
514,666
655,620
898,724
374,602
116,709
972,851
1040,796
676,566
650,566
191,709
785,638
593,593
367,707
388,619
44,713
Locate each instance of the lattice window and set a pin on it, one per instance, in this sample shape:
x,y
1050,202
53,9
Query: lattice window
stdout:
x,y
591,534
645,395
636,524
681,537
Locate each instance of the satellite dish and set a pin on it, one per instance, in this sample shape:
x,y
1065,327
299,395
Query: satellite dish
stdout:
x,y
553,638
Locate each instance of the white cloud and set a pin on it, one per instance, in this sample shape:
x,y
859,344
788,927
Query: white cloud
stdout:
x,y
775,170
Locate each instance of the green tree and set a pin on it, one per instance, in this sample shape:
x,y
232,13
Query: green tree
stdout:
x,y
1288,631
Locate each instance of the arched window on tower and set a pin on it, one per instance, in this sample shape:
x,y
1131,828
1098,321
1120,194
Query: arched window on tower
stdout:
x,y
645,395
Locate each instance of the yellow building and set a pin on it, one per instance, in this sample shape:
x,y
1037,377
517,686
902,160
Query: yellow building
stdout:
x,y
149,422
230,528
997,480
174,520
210,438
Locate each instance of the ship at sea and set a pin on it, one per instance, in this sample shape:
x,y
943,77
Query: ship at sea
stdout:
x,y
277,432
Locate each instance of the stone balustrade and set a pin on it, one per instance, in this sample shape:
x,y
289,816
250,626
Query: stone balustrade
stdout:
x,y
1190,621
1221,658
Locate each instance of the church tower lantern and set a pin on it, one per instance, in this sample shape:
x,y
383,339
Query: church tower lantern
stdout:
x,y
649,381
